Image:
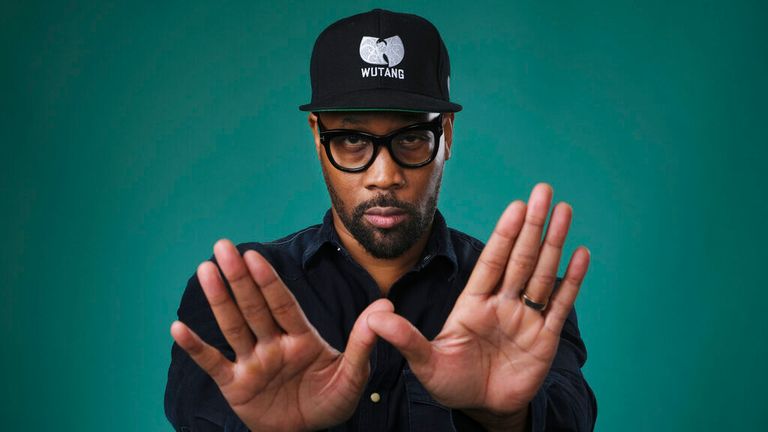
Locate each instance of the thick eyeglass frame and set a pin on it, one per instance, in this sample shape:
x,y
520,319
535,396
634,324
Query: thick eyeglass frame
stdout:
x,y
326,135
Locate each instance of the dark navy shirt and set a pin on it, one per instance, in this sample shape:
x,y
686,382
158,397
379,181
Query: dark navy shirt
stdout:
x,y
333,290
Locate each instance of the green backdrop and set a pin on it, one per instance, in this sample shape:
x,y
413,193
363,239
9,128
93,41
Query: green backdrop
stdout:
x,y
135,135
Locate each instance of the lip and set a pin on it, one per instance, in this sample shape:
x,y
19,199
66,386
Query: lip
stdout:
x,y
384,211
385,217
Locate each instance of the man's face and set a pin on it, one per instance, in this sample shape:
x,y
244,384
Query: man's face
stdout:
x,y
386,208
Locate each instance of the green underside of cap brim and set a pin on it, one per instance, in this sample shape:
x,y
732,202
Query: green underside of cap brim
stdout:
x,y
366,109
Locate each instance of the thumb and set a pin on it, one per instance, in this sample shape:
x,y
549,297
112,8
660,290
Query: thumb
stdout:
x,y
361,338
402,335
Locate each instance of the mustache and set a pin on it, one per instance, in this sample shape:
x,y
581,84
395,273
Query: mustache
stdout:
x,y
383,201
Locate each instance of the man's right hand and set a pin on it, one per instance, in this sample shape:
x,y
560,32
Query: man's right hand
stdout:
x,y
285,376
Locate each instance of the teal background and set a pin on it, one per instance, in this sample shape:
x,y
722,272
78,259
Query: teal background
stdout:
x,y
135,135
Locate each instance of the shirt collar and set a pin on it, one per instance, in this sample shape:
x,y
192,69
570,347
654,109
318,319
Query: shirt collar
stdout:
x,y
438,245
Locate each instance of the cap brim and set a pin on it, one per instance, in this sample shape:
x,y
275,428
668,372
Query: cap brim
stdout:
x,y
381,100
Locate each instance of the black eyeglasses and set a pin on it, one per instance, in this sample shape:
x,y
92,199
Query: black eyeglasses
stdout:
x,y
352,151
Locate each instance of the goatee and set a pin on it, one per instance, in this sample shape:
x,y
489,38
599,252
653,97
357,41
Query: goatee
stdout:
x,y
385,243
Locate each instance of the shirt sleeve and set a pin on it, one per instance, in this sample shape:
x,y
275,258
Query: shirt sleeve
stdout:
x,y
564,402
193,401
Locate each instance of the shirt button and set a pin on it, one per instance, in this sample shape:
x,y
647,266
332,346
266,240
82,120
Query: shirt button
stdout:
x,y
375,397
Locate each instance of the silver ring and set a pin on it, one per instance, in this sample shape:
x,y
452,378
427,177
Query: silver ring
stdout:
x,y
533,304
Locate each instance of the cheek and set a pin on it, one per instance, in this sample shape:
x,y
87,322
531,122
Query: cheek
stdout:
x,y
345,188
342,184
436,171
426,184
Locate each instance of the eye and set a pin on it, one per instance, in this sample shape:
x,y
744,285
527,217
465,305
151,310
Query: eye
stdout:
x,y
414,139
355,140
351,143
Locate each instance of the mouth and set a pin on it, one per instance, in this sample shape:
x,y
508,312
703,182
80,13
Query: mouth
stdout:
x,y
385,217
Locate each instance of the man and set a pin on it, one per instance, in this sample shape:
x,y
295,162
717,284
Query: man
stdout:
x,y
383,318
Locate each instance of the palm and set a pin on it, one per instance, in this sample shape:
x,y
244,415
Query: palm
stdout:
x,y
489,354
292,383
285,376
494,351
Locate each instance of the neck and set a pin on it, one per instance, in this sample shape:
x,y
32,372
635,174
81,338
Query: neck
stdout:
x,y
384,271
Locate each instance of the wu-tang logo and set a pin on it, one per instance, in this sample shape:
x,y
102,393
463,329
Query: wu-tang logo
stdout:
x,y
378,51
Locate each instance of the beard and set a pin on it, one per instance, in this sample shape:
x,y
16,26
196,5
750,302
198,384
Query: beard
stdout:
x,y
386,243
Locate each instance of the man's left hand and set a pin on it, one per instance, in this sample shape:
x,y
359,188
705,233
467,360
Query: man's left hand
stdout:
x,y
494,351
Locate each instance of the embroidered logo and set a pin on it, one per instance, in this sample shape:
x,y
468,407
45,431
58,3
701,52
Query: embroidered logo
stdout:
x,y
377,51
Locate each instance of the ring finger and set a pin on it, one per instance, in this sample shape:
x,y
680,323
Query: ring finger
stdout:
x,y
542,282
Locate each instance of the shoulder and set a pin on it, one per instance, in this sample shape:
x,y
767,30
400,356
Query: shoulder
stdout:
x,y
286,254
467,249
462,240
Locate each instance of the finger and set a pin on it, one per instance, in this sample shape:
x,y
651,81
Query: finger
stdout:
x,y
207,357
493,260
283,305
251,302
525,253
227,314
562,301
542,281
402,335
362,338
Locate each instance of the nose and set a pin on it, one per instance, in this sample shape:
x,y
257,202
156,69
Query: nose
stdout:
x,y
384,173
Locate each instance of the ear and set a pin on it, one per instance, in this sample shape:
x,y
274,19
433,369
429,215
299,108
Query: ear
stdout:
x,y
448,119
312,120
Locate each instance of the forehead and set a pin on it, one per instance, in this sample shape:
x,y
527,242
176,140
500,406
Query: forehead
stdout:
x,y
357,118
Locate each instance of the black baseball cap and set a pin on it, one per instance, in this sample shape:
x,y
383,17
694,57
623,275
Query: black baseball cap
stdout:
x,y
380,61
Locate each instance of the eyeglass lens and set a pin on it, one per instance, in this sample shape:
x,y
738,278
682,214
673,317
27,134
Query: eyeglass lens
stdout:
x,y
411,147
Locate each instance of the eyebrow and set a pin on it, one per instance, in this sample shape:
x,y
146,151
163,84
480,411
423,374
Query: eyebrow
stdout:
x,y
352,121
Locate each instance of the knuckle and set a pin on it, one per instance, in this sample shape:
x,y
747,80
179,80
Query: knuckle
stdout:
x,y
264,275
239,276
282,309
544,279
195,351
493,262
555,239
559,304
252,310
560,308
505,233
524,260
207,361
218,371
535,220
218,299
573,279
234,331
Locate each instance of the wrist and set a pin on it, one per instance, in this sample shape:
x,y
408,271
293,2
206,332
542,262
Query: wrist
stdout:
x,y
493,422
